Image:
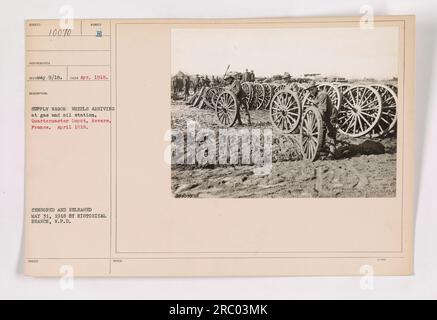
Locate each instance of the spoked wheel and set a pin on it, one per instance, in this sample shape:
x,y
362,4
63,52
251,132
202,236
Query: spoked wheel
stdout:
x,y
334,93
281,86
394,88
258,97
248,90
307,100
227,108
360,111
285,111
267,96
342,86
301,91
209,95
388,115
275,88
311,133
218,90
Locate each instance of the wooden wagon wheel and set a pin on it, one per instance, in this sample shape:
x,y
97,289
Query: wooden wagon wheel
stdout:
x,y
275,88
218,90
209,95
248,89
268,93
285,111
301,91
342,86
258,97
307,100
388,115
393,87
334,93
282,86
311,134
360,111
226,108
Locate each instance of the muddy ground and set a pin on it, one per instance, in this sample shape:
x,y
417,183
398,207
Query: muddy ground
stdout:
x,y
365,167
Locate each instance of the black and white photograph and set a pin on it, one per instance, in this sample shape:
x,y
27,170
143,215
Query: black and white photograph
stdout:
x,y
226,157
287,112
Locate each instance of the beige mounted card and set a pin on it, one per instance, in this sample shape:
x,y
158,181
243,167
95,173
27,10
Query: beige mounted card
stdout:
x,y
242,147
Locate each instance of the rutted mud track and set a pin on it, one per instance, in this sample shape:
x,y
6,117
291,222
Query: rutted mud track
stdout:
x,y
365,169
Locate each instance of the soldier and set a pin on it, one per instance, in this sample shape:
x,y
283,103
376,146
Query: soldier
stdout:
x,y
329,115
196,83
174,85
246,75
187,85
234,85
286,78
207,82
252,76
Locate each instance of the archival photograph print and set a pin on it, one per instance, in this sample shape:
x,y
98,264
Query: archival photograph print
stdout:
x,y
284,113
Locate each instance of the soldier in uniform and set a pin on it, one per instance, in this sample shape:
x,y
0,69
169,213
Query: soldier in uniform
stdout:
x,y
286,78
196,83
174,85
187,85
246,75
252,76
207,82
201,82
329,115
234,85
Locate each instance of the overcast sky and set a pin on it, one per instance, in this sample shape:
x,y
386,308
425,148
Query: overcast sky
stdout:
x,y
349,52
